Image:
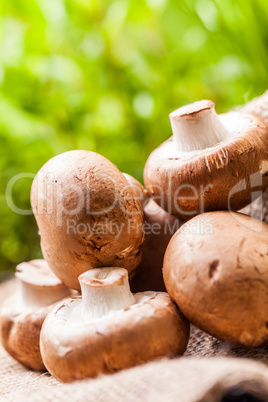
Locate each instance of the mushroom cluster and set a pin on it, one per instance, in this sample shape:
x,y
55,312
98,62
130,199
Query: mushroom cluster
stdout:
x,y
104,234
215,266
90,217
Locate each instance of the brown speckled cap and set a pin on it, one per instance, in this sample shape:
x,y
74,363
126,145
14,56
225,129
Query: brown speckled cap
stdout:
x,y
216,270
74,349
87,215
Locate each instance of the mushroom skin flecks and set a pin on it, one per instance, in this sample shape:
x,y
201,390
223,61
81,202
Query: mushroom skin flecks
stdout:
x,y
109,328
23,314
212,162
87,215
216,271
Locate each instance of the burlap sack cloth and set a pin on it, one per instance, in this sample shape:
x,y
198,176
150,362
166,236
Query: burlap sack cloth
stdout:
x,y
195,377
210,371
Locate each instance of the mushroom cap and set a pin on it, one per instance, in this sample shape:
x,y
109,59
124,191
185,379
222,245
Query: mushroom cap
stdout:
x,y
74,350
87,214
20,323
20,333
216,271
188,183
159,227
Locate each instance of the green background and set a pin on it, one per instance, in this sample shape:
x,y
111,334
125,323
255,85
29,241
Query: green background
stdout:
x,y
103,75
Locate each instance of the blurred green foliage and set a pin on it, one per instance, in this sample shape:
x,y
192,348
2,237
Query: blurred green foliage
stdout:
x,y
103,75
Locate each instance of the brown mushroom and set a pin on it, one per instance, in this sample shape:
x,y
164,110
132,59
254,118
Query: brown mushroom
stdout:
x,y
109,328
159,227
216,270
23,314
87,215
211,162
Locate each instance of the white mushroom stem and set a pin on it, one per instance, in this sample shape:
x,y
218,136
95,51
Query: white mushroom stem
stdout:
x,y
104,291
197,126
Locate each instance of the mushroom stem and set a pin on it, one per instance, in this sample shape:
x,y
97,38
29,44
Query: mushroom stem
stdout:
x,y
197,126
104,291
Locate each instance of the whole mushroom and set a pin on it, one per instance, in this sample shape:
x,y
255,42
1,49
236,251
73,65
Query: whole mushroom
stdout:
x,y
211,162
216,270
87,215
23,314
159,227
109,328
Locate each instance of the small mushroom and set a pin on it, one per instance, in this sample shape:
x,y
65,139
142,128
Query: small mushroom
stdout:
x,y
23,313
211,162
87,214
159,227
109,328
216,271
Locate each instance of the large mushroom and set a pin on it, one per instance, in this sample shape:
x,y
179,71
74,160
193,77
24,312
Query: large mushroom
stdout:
x,y
87,214
211,162
23,314
109,328
159,227
216,270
